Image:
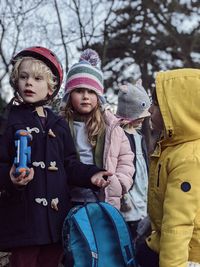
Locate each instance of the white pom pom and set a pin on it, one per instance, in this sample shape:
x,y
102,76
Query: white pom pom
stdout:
x,y
91,56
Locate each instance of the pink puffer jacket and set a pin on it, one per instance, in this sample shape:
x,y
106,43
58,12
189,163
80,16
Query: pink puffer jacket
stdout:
x,y
118,159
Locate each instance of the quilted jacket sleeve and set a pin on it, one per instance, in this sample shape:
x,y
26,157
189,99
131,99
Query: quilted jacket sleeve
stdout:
x,y
125,167
118,159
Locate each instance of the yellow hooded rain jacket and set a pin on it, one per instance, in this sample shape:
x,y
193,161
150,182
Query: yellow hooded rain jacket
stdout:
x,y
174,184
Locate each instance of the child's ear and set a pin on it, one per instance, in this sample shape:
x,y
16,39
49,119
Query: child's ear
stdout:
x,y
50,92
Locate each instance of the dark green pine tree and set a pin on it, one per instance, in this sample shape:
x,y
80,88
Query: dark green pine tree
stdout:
x,y
145,37
151,36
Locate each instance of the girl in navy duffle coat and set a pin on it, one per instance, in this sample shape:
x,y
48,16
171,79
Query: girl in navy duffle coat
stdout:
x,y
33,205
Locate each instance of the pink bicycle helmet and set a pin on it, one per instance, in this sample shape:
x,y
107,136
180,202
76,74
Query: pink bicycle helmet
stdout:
x,y
46,56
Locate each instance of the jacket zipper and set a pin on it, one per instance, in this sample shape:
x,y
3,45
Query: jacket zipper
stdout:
x,y
158,178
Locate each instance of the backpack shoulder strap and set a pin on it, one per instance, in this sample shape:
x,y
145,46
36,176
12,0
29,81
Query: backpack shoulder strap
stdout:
x,y
133,148
122,233
82,222
66,227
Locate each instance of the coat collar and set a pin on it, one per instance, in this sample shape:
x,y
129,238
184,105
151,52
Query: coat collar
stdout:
x,y
23,113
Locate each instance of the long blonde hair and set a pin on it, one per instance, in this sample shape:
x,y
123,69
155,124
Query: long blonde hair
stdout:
x,y
95,123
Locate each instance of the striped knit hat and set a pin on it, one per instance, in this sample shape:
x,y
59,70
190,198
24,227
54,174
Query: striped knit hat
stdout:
x,y
86,74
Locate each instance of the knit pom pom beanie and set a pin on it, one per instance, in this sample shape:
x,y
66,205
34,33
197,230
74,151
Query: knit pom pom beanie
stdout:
x,y
86,73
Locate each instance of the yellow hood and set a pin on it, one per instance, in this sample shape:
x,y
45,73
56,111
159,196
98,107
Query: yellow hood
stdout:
x,y
178,93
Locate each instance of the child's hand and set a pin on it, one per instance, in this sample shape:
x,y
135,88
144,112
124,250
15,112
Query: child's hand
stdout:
x,y
22,179
100,179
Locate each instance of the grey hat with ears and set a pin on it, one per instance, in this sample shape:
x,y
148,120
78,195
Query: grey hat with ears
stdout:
x,y
133,102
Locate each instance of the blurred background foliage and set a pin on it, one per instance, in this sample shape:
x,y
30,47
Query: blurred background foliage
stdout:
x,y
134,38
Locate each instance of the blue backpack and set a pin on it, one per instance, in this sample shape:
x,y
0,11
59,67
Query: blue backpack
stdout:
x,y
96,235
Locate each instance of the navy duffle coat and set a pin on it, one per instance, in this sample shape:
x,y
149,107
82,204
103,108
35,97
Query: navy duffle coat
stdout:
x,y
28,215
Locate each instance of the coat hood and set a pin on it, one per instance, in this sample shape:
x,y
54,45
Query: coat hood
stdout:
x,y
178,93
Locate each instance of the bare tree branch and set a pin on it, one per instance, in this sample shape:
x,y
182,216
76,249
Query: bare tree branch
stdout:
x,y
62,35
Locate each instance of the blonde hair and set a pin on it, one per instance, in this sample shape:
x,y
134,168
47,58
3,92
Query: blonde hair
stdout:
x,y
37,67
94,122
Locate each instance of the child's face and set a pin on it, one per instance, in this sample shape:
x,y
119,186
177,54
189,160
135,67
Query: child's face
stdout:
x,y
137,123
156,118
83,100
134,123
32,87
